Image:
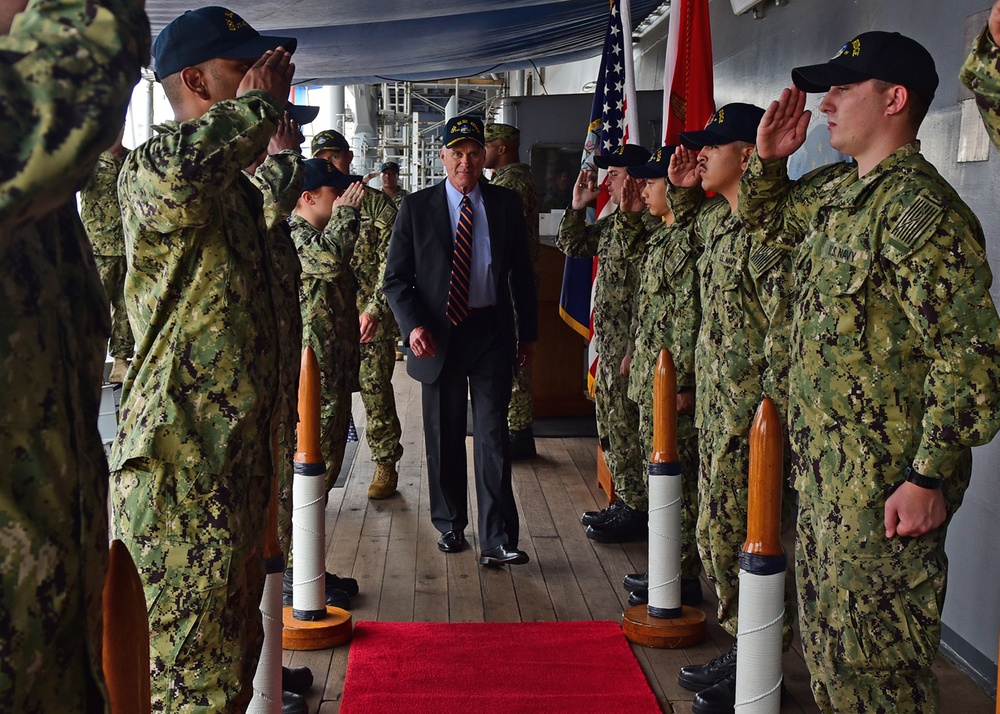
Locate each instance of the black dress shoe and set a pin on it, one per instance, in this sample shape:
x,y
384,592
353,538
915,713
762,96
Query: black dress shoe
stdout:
x,y
348,585
720,698
590,518
522,444
638,597
451,542
335,597
624,526
702,676
292,703
691,592
503,555
636,581
296,679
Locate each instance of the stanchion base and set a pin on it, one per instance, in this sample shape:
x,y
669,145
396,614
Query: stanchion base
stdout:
x,y
334,629
677,633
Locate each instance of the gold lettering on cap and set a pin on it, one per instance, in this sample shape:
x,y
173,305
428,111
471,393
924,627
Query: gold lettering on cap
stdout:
x,y
233,21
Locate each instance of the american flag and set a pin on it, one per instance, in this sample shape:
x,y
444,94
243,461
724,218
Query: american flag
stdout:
x,y
613,122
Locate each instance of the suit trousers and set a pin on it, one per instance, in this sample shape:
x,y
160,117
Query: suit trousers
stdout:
x,y
479,365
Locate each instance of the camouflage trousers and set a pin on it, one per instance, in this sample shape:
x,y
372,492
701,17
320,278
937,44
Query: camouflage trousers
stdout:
x,y
519,413
722,523
378,359
112,270
870,610
687,451
53,555
196,538
334,420
618,429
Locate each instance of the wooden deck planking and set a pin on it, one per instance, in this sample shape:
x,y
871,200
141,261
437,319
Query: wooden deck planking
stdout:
x,y
390,546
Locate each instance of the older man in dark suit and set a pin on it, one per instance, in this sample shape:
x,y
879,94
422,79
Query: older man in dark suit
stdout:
x,y
458,271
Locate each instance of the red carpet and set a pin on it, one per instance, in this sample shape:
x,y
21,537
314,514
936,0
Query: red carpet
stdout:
x,y
493,667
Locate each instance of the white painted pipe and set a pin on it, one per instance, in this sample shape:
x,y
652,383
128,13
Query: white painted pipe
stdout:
x,y
761,614
309,542
267,679
664,540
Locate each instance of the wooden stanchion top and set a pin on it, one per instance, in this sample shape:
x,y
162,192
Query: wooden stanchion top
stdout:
x,y
764,491
308,443
664,410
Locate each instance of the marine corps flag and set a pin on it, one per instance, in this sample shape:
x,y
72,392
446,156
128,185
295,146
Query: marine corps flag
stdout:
x,y
613,122
688,101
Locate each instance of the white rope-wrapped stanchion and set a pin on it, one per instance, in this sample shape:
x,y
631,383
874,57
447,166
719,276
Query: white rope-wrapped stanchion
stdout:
x,y
665,500
762,572
664,622
267,679
310,624
309,501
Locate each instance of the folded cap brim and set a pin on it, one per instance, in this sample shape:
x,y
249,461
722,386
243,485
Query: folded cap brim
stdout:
x,y
257,46
646,171
302,113
604,162
820,77
697,140
457,139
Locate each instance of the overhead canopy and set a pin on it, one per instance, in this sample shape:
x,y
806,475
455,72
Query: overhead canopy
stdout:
x,y
369,41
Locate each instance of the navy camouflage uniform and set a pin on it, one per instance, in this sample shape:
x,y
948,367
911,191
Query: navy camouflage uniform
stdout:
x,y
102,219
740,357
614,292
193,461
895,358
65,80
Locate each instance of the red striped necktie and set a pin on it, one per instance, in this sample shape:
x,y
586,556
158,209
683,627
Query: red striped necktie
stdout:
x,y
461,266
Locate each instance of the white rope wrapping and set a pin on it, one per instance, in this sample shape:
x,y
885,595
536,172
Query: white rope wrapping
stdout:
x,y
267,679
664,541
758,666
308,542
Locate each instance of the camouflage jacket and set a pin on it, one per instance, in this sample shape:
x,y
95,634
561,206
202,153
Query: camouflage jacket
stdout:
x,y
617,276
981,74
203,294
742,349
895,339
378,213
667,306
329,291
519,179
398,198
279,178
102,218
65,81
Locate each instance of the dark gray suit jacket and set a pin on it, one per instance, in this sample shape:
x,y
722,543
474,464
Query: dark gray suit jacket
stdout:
x,y
418,271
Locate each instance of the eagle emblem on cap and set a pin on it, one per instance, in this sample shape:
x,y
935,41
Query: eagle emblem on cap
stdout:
x,y
234,21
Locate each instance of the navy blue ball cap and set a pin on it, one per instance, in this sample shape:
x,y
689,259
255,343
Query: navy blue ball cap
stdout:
x,y
209,33
657,165
462,128
301,113
625,155
389,166
320,172
888,56
733,122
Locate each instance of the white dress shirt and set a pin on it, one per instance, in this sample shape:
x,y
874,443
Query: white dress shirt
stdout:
x,y
482,291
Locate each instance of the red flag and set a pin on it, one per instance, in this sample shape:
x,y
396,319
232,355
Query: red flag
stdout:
x,y
688,101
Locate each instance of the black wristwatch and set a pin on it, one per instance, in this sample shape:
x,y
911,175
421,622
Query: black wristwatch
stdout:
x,y
918,479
